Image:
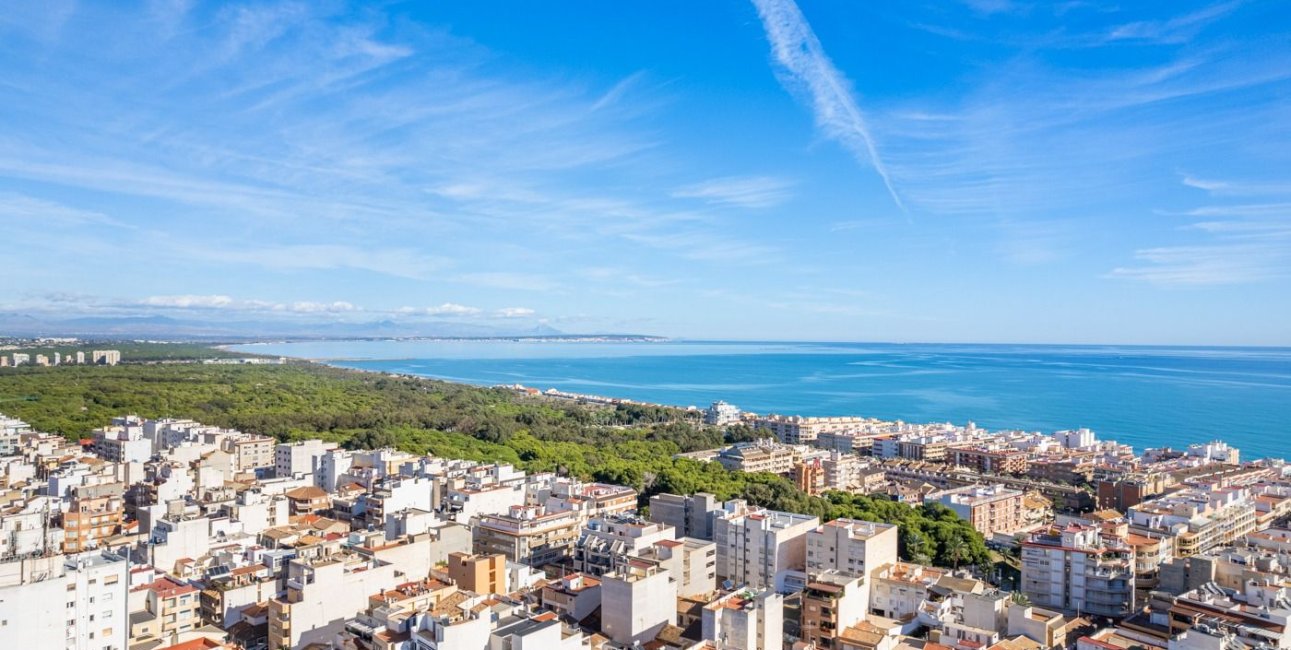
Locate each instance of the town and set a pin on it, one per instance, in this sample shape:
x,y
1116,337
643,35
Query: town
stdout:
x,y
167,534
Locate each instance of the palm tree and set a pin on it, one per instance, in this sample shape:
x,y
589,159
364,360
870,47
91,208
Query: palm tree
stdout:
x,y
956,550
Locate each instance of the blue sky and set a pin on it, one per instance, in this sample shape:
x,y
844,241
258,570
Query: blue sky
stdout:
x,y
980,171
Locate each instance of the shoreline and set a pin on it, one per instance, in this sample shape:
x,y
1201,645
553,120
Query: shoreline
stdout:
x,y
606,400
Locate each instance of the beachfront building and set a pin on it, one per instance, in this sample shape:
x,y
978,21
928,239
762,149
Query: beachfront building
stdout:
x,y
799,430
720,413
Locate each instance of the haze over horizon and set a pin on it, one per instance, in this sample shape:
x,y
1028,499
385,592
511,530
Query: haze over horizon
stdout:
x,y
986,171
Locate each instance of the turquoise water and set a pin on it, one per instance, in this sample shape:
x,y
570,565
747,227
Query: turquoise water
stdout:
x,y
1144,396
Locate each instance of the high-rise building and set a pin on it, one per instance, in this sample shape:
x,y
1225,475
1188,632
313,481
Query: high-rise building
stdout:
x,y
760,548
831,603
76,602
105,357
852,547
720,413
1076,569
690,516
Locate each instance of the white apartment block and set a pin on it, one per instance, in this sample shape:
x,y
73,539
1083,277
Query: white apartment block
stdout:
x,y
321,594
1075,569
1199,519
761,548
721,413
691,562
851,547
637,603
799,430
64,602
302,457
745,619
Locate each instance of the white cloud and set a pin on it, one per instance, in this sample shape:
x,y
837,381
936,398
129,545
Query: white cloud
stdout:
x,y
395,262
1208,265
49,213
515,312
1238,187
190,302
805,64
446,309
338,307
1179,29
737,191
1246,243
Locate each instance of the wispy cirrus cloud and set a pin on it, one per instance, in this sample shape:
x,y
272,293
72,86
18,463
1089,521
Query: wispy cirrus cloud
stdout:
x,y
1237,188
1241,243
396,262
806,67
738,191
1208,265
14,207
1177,29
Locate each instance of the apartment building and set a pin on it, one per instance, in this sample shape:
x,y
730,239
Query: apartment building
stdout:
x,y
65,602
898,590
606,543
988,460
691,562
760,456
105,357
761,548
745,619
1198,519
323,592
689,516
637,603
482,574
121,444
989,508
799,430
528,535
851,547
91,520
720,413
831,603
1075,569
932,449
250,452
172,607
301,457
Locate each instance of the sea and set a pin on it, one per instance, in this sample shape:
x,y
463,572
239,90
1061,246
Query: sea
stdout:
x,y
1140,395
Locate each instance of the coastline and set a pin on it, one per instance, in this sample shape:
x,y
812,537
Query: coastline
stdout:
x,y
537,390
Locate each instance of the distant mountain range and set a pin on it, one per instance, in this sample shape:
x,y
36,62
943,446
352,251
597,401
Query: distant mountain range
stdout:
x,y
168,328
